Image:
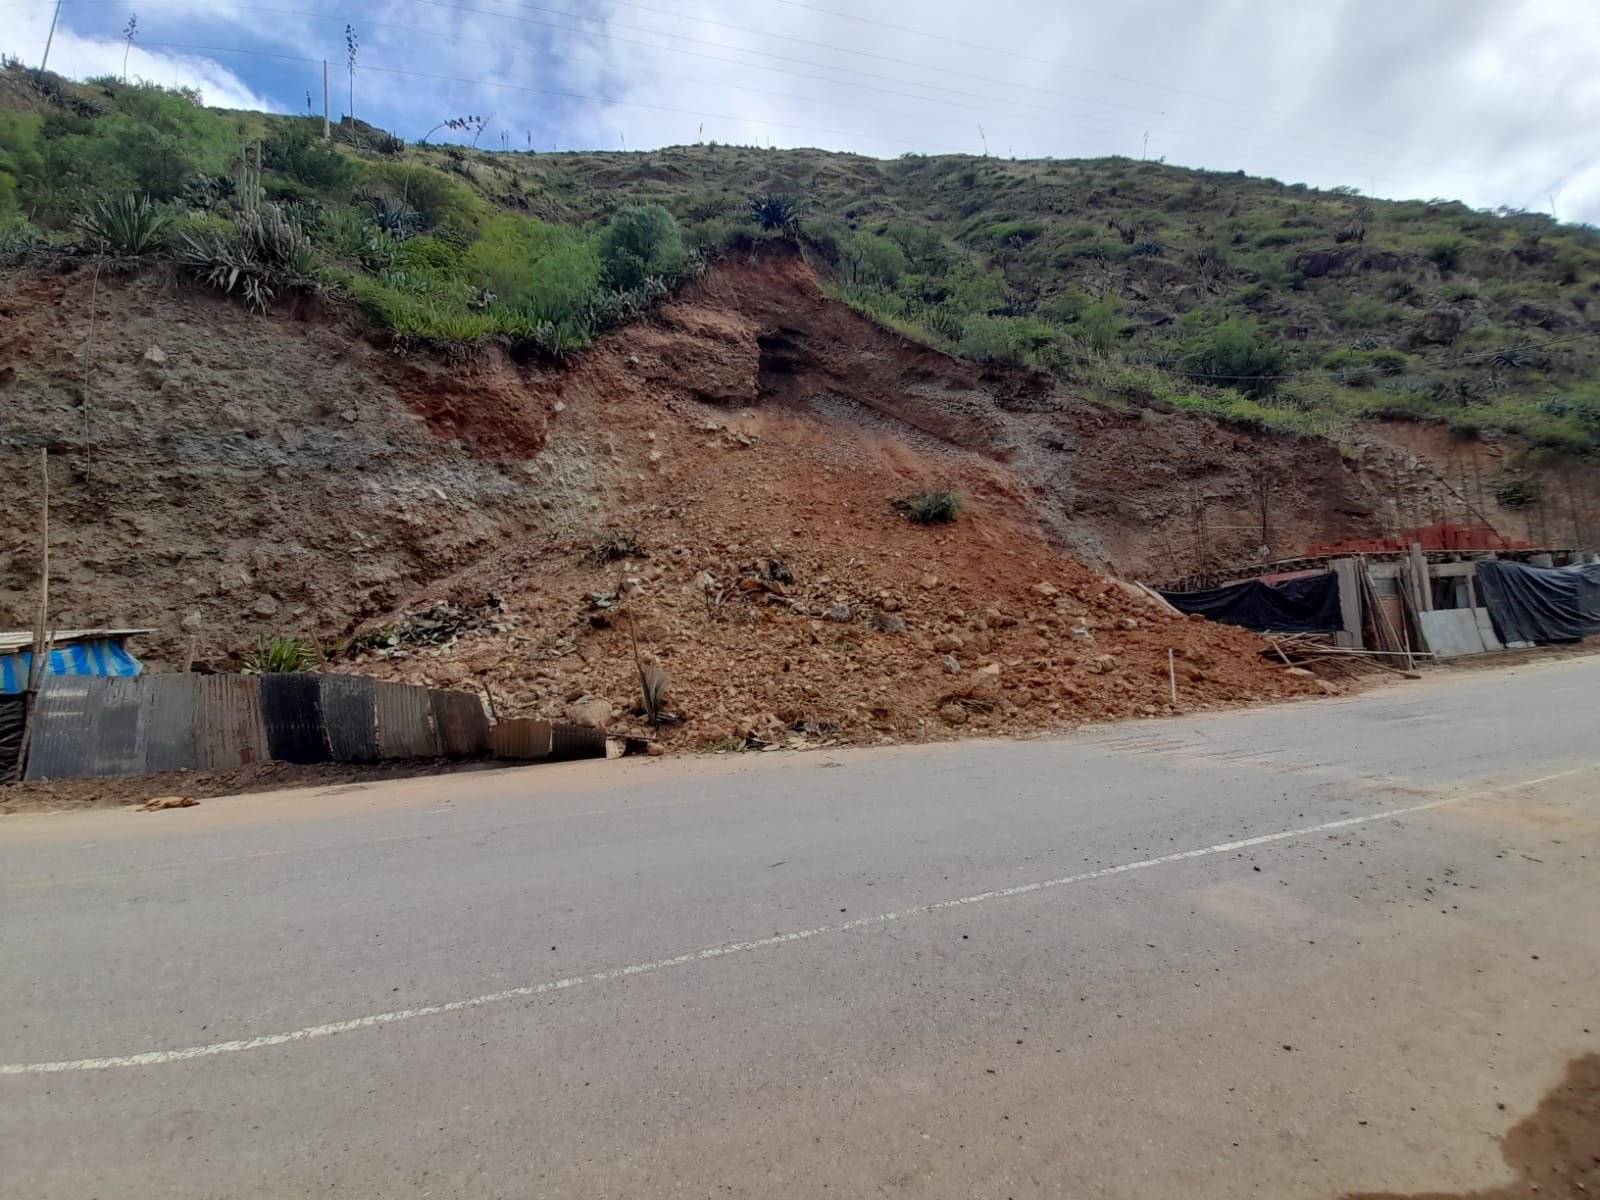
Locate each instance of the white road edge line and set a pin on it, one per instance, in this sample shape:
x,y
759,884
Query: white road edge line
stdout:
x,y
152,1058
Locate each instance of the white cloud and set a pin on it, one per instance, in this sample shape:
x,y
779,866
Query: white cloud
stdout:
x,y
80,57
1489,103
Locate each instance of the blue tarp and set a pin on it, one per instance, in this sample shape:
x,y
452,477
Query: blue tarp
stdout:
x,y
105,658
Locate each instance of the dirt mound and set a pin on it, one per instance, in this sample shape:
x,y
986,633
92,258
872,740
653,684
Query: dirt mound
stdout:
x,y
756,556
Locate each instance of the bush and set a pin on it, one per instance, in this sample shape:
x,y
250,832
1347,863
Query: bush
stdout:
x,y
296,151
1099,326
1515,490
1362,312
642,241
127,226
543,272
1235,354
1446,253
932,508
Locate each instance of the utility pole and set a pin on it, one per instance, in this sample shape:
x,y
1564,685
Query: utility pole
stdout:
x,y
50,37
327,135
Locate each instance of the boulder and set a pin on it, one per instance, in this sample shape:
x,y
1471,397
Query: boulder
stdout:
x,y
594,712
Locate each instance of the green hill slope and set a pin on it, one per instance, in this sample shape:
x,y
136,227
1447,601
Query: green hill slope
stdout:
x,y
1133,283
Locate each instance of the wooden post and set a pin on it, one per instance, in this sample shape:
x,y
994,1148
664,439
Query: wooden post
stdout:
x,y
41,614
41,642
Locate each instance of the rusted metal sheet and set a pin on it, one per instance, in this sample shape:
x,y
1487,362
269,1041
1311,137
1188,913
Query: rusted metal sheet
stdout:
x,y
119,749
546,741
349,714
171,715
291,709
522,737
229,731
65,719
405,721
462,724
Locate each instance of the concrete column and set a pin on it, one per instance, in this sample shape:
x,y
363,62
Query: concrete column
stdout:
x,y
1349,604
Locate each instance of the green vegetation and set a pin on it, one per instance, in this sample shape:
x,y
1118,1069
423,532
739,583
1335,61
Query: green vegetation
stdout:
x,y
932,508
279,654
1133,283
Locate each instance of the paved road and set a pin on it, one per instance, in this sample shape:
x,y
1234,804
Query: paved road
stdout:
x,y
1290,953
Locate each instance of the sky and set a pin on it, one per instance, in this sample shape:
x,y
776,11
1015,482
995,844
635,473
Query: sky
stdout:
x,y
1493,102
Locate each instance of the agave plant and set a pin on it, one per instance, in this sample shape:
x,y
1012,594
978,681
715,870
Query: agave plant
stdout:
x,y
397,219
126,226
265,254
776,211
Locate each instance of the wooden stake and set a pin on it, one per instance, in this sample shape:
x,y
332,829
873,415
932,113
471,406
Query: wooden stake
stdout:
x,y
41,644
41,614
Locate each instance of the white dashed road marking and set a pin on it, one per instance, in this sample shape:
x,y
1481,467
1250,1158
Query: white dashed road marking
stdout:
x,y
150,1058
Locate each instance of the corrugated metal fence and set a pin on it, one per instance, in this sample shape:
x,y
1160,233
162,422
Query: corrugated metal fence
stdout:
x,y
91,727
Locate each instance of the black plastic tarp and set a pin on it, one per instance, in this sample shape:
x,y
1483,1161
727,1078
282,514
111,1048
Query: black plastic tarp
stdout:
x,y
1306,605
1540,604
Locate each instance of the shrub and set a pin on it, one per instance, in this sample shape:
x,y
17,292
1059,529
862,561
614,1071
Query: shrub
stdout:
x,y
776,212
1446,252
127,226
1099,326
1515,490
642,241
279,654
932,508
1235,354
989,340
1362,312
294,150
546,273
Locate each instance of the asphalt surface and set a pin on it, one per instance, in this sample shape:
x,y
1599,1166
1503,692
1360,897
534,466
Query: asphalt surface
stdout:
x,y
1291,952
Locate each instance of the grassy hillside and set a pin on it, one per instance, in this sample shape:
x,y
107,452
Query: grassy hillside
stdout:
x,y
1134,283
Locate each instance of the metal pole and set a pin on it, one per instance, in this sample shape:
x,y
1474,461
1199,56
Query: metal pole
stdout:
x,y
1172,674
326,134
51,36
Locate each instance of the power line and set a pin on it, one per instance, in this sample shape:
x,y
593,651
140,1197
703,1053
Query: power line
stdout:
x,y
968,44
1198,140
988,100
515,87
1010,83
